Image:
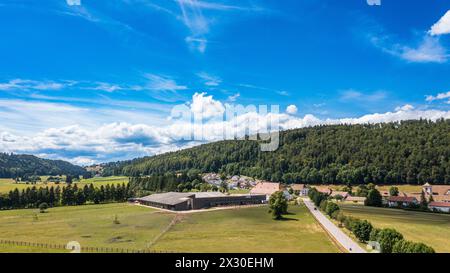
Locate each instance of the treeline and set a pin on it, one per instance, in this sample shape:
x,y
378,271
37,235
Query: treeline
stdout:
x,y
407,152
180,182
22,166
64,196
389,240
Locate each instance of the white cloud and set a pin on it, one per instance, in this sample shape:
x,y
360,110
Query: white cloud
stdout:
x,y
440,96
209,80
406,107
21,84
234,97
206,106
354,95
442,26
107,87
429,50
291,109
163,83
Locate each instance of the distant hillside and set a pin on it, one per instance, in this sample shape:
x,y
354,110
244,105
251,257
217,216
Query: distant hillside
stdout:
x,y
14,165
412,152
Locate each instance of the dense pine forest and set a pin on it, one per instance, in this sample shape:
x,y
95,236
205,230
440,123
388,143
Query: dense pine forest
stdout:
x,y
14,165
408,152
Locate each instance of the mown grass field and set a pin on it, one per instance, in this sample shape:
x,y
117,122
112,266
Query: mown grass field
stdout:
x,y
7,184
247,230
236,230
430,228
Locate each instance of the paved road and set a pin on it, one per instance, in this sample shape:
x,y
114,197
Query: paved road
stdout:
x,y
332,229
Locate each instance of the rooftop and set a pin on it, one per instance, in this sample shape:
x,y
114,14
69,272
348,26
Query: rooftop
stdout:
x,y
266,188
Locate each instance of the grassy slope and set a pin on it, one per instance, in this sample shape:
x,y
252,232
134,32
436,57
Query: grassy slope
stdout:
x,y
432,229
7,184
242,230
247,230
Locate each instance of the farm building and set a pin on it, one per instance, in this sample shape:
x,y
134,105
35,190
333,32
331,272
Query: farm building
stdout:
x,y
266,188
197,200
300,189
402,201
439,206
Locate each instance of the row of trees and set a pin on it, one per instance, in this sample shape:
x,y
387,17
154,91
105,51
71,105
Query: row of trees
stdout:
x,y
180,182
64,196
390,240
407,152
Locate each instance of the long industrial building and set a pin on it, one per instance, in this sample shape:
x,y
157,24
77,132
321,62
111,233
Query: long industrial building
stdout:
x,y
179,201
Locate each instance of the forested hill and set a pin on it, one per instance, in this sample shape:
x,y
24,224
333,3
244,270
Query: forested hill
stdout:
x,y
412,152
14,165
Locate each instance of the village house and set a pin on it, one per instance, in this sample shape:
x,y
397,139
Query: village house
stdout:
x,y
343,194
402,201
300,189
439,206
439,193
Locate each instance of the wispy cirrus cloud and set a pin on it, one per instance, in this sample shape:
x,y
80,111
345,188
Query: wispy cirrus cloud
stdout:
x,y
355,95
25,85
163,83
198,16
209,80
428,50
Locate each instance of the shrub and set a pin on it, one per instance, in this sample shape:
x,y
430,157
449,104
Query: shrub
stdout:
x,y
373,199
335,214
43,207
404,246
362,230
340,217
323,205
349,221
331,208
387,238
374,234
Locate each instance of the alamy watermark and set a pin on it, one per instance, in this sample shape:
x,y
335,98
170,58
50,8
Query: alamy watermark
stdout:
x,y
226,122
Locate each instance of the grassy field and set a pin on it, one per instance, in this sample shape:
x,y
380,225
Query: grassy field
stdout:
x,y
7,184
237,230
247,230
429,228
402,188
90,225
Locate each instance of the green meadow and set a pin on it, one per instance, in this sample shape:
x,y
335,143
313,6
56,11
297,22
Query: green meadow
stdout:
x,y
429,228
8,184
142,228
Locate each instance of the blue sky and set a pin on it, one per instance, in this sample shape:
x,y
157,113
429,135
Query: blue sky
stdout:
x,y
96,82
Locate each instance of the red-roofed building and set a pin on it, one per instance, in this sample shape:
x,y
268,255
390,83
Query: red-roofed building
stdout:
x,y
402,201
439,206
